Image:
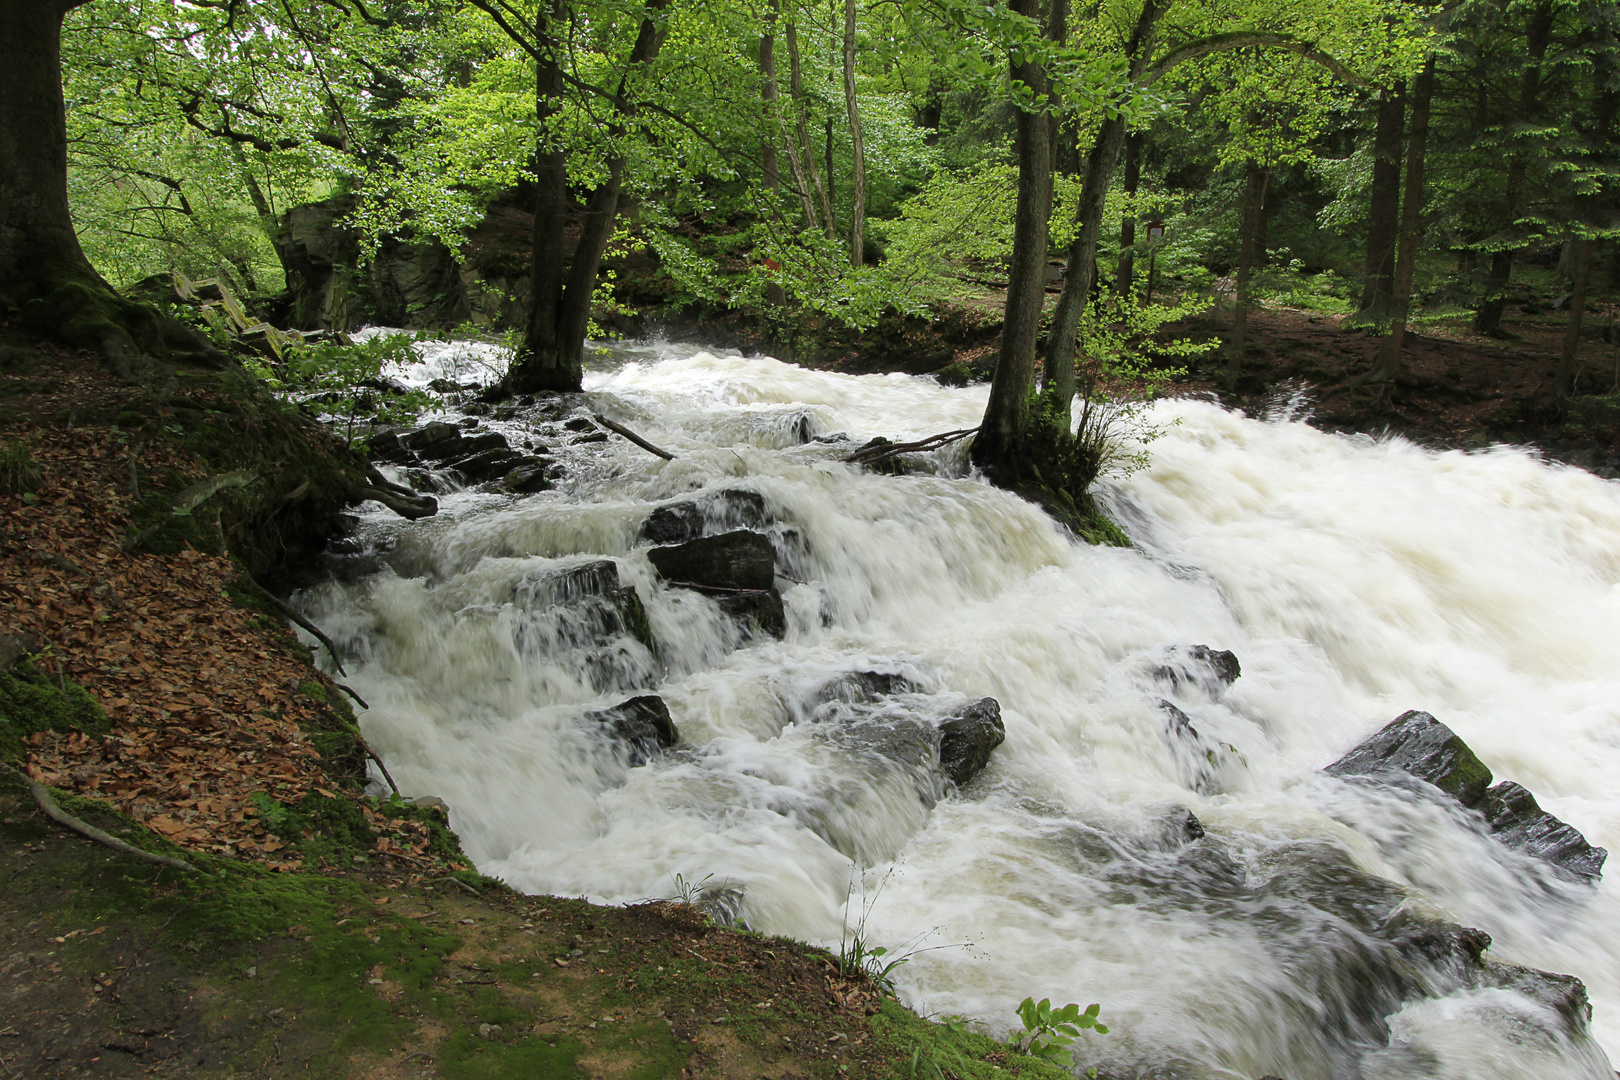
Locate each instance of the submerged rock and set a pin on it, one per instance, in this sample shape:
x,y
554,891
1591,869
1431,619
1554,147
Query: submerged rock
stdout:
x,y
1201,761
641,726
1515,819
1418,745
739,560
585,611
528,478
966,738
760,611
712,511
855,688
1211,670
487,464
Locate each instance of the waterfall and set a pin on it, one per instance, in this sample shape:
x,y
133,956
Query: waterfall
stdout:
x,y
1147,837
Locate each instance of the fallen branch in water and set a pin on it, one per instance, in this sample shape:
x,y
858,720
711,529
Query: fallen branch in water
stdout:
x,y
878,451
53,810
372,754
620,429
282,607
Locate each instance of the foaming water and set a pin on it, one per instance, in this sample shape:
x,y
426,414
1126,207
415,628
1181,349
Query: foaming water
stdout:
x,y
1354,579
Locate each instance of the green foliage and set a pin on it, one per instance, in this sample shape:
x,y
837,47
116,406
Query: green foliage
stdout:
x,y
338,377
19,475
1050,1033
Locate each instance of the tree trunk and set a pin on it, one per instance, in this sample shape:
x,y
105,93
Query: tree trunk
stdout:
x,y
857,213
1378,276
43,271
1250,251
1488,316
773,129
832,195
1126,271
998,449
802,125
1081,274
1387,365
552,356
1564,378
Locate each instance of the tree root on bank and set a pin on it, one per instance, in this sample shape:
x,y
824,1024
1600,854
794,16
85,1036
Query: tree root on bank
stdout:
x,y
53,810
287,610
879,451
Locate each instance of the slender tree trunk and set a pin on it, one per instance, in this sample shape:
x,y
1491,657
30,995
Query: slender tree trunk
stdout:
x,y
802,126
1564,378
1081,274
1378,277
857,213
1538,34
1387,365
997,448
1126,271
552,356
832,194
1256,180
773,130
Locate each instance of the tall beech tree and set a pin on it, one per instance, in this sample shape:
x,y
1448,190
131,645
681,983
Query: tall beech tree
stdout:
x,y
44,274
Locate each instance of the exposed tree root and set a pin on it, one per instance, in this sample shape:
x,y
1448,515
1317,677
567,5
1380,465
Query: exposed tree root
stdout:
x,y
53,810
620,429
879,451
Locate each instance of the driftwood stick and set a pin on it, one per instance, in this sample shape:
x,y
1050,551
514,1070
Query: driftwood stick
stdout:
x,y
372,754
632,436
53,810
358,700
287,610
886,450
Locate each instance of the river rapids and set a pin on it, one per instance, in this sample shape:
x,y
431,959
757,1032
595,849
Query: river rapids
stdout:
x,y
1353,578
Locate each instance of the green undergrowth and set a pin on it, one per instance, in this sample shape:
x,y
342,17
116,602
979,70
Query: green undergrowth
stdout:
x,y
929,1050
32,701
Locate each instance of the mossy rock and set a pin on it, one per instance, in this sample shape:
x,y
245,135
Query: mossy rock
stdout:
x,y
31,701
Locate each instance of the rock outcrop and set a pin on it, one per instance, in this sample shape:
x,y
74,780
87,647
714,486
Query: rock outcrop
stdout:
x,y
639,727
1417,745
712,512
737,560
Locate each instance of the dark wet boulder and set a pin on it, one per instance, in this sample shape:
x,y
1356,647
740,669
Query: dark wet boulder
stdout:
x,y
585,607
385,446
1200,760
581,423
640,726
966,738
484,440
739,560
488,465
857,688
1211,670
434,441
1418,745
710,512
528,478
760,611
1516,820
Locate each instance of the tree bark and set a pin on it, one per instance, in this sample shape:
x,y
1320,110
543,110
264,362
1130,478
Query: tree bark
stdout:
x,y
552,356
1387,364
1125,273
857,213
1564,377
774,294
1251,250
1378,277
1488,316
1081,274
998,447
43,270
802,126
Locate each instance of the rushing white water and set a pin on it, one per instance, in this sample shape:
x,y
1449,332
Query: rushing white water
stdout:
x,y
1354,579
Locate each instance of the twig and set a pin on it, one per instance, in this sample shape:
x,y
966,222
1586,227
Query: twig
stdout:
x,y
463,884
372,754
868,454
54,811
358,700
286,610
632,436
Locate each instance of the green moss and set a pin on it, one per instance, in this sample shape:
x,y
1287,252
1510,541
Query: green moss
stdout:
x,y
925,1049
31,701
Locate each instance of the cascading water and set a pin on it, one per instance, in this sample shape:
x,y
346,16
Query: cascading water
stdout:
x,y
1353,579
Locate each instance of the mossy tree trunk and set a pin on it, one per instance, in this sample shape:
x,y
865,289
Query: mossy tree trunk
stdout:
x,y
44,274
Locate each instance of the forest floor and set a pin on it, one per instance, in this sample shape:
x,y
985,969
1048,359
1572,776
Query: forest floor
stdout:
x,y
321,932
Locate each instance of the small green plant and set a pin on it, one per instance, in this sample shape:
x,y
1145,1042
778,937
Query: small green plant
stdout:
x,y
19,475
271,811
688,893
341,379
1048,1033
